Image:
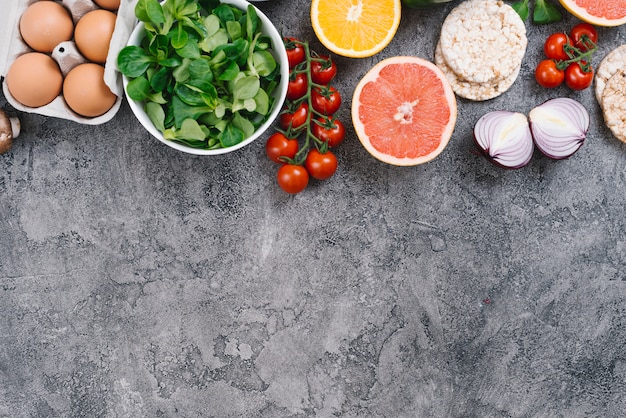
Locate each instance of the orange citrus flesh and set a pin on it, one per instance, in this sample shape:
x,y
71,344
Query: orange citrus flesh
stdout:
x,y
355,28
598,12
404,111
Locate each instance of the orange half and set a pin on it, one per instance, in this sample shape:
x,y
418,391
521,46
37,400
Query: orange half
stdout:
x,y
355,28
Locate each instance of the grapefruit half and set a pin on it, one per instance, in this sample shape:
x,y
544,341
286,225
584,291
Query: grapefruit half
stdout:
x,y
404,111
598,12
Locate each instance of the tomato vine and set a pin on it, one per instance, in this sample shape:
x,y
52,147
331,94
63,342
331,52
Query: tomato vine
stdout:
x,y
568,58
309,117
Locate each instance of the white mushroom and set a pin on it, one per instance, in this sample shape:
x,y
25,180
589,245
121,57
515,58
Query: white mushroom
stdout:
x,y
9,129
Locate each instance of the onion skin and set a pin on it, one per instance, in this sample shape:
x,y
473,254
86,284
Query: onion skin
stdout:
x,y
504,138
559,127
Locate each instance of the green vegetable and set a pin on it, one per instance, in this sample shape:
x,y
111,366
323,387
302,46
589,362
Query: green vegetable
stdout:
x,y
543,13
422,3
522,9
204,71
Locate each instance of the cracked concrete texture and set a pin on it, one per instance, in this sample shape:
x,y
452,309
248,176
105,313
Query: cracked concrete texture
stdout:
x,y
137,281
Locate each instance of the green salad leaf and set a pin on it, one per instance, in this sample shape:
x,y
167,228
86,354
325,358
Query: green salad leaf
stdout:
x,y
544,12
522,9
204,71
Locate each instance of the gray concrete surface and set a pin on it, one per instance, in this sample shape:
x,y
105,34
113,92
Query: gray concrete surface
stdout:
x,y
136,281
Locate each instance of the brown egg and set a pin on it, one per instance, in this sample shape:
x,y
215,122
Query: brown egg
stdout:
x,y
34,79
85,91
45,24
93,34
108,4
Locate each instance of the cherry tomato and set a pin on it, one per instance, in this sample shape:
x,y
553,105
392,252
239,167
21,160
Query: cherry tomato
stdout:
x,y
292,178
323,70
278,145
325,100
295,118
329,130
295,51
548,75
553,47
297,87
576,78
581,34
320,166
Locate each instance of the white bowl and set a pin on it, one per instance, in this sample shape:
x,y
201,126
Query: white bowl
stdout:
x,y
279,94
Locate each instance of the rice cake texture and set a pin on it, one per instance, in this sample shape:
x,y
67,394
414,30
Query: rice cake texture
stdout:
x,y
483,40
614,105
471,90
613,62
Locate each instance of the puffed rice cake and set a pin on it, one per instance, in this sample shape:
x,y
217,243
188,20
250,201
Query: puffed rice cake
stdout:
x,y
613,62
471,90
483,40
614,104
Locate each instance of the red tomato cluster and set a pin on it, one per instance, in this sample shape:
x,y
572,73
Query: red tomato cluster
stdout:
x,y
307,127
568,58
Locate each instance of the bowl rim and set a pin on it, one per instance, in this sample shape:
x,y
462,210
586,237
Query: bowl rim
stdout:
x,y
279,94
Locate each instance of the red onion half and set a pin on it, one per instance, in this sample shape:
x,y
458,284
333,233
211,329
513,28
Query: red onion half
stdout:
x,y
504,138
559,127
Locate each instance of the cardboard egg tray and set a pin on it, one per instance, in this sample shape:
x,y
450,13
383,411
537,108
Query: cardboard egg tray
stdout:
x,y
65,54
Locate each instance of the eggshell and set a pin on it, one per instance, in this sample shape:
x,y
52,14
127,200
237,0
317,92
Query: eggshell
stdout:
x,y
85,92
12,45
45,24
93,34
108,4
34,79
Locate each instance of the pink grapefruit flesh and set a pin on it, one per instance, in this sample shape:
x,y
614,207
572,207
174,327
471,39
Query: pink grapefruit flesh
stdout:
x,y
404,111
598,12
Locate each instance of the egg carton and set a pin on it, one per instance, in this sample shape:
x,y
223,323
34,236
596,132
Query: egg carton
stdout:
x,y
66,55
